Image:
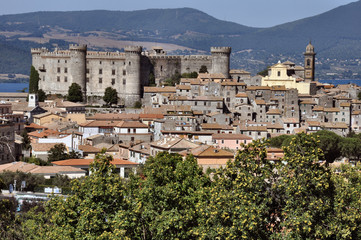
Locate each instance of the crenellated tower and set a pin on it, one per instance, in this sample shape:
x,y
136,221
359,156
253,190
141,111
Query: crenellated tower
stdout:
x,y
310,63
132,79
78,66
220,60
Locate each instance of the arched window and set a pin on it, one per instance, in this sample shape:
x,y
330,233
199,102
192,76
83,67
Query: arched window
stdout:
x,y
308,62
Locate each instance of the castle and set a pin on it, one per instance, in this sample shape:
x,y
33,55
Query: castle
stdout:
x,y
127,72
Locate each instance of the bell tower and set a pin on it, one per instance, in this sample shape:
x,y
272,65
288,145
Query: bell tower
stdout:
x,y
310,63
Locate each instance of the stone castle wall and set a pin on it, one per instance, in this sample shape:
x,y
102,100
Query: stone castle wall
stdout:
x,y
127,71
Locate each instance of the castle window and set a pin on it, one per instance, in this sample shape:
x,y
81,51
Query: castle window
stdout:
x,y
130,63
195,103
100,80
205,103
113,81
65,79
124,72
113,71
279,73
87,70
58,61
65,70
113,62
124,81
58,69
308,62
65,61
58,78
100,71
100,62
161,68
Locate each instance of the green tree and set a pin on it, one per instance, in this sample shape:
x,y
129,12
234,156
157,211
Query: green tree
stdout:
x,y
33,80
329,142
75,93
172,81
166,200
32,180
110,96
89,212
41,95
151,79
306,191
190,75
264,72
26,143
351,148
280,141
58,152
241,202
203,69
137,104
359,95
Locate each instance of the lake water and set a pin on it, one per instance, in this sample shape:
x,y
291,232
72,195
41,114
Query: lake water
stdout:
x,y
13,87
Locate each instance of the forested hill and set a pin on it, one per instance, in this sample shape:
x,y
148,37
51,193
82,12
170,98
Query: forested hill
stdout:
x,y
335,34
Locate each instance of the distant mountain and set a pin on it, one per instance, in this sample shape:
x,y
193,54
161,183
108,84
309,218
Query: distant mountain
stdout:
x,y
335,34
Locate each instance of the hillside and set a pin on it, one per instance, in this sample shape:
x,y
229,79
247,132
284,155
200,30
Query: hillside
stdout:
x,y
336,34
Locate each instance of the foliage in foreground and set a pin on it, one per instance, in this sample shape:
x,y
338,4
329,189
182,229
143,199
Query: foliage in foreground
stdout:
x,y
172,198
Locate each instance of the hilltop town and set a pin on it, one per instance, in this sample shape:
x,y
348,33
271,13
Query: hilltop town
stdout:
x,y
209,115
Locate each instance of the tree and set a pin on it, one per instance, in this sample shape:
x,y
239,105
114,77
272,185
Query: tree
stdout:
x,y
137,104
58,152
26,143
203,69
33,80
151,79
329,142
173,80
351,148
166,200
41,95
110,96
241,201
359,95
280,141
32,180
306,191
264,72
74,93
190,75
89,212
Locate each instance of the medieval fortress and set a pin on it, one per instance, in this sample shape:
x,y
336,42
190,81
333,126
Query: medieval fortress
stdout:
x,y
127,72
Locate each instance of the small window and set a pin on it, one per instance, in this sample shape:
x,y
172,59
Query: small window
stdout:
x,y
113,62
100,71
58,69
124,72
87,70
279,73
113,72
124,81
58,78
65,61
65,70
100,62
65,79
113,81
100,80
130,63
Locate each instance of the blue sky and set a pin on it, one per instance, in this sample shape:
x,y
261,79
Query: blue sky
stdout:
x,y
255,13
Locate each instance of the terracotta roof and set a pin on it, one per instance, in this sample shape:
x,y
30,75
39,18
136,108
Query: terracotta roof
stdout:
x,y
252,88
290,120
174,142
216,126
45,133
260,102
274,111
114,116
87,162
254,128
97,123
211,75
159,89
317,108
278,88
345,104
35,126
183,87
356,112
241,94
150,116
89,149
230,136
310,102
313,123
131,124
206,151
232,83
42,147
335,125
274,126
35,169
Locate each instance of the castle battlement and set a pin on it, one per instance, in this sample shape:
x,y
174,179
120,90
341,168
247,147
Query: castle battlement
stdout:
x,y
39,50
223,50
133,49
106,55
77,47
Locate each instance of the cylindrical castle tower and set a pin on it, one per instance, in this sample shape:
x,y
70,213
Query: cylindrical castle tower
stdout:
x,y
132,78
78,66
220,60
